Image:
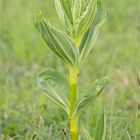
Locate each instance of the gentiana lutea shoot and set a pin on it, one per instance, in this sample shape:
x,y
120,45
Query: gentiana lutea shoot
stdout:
x,y
81,21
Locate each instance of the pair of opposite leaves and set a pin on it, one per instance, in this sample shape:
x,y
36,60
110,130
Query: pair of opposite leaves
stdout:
x,y
54,84
64,44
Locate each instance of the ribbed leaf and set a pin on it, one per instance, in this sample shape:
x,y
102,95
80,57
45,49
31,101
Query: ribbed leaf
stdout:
x,y
91,35
85,134
100,130
66,4
55,86
85,20
60,11
63,17
58,42
77,9
90,94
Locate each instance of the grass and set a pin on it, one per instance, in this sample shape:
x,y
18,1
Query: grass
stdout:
x,y
26,113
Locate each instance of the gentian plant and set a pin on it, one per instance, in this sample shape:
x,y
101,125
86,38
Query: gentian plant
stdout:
x,y
81,21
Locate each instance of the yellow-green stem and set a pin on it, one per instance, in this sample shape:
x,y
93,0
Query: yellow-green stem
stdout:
x,y
74,128
73,119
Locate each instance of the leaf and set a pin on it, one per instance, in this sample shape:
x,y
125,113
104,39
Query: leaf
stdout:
x,y
60,11
66,4
55,86
84,5
85,20
77,9
62,16
91,35
58,42
85,134
100,130
91,93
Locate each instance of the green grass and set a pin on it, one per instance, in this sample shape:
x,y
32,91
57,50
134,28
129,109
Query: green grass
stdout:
x,y
26,113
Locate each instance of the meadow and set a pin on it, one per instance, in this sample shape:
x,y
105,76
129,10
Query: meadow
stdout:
x,y
27,114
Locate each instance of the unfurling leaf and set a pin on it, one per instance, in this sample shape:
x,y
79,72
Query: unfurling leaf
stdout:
x,y
91,35
100,130
84,21
91,93
77,7
60,43
55,86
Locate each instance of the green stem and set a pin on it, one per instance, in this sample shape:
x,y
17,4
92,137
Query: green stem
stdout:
x,y
74,128
73,119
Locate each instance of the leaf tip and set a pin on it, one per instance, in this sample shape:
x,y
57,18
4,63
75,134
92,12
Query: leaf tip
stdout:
x,y
38,20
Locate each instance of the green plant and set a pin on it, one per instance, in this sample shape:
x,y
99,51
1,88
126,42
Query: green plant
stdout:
x,y
100,130
81,20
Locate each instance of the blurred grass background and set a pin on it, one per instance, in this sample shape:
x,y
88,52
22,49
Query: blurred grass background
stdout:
x,y
26,113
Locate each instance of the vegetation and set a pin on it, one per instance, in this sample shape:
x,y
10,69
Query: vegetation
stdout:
x,y
27,114
81,21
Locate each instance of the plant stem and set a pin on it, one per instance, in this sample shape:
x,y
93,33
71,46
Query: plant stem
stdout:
x,y
73,119
74,128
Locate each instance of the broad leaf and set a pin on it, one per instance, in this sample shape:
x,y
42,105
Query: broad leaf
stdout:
x,y
91,35
55,86
85,134
58,42
90,94
100,130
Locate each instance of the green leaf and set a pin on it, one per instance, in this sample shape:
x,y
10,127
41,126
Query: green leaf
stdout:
x,y
86,18
62,16
66,4
77,9
85,134
58,42
90,94
56,87
100,130
91,35
84,5
60,11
